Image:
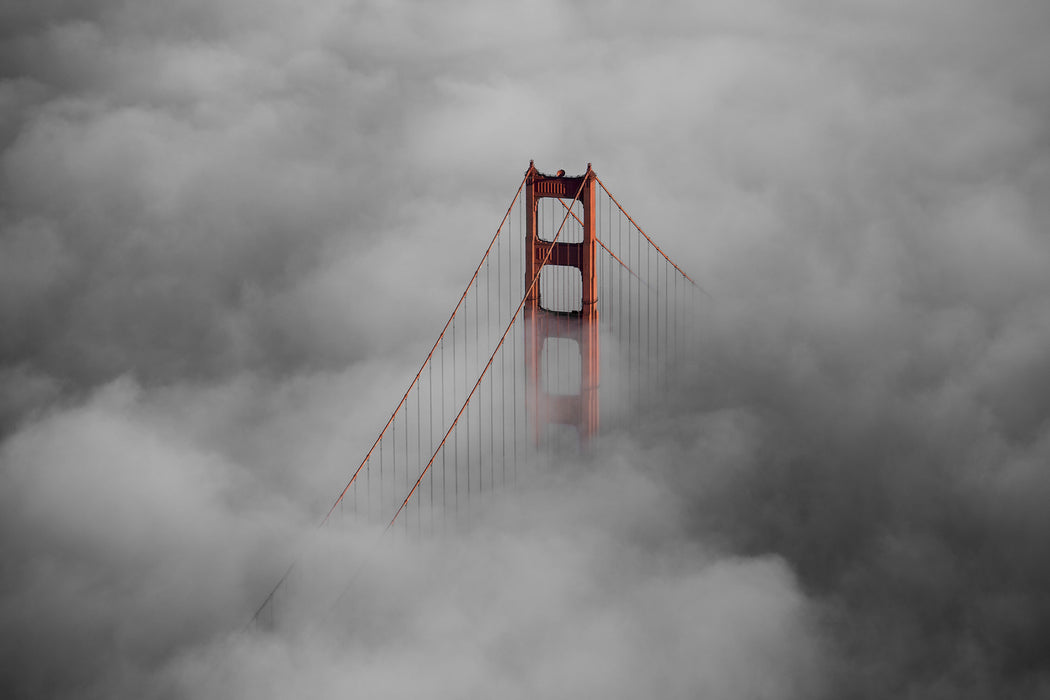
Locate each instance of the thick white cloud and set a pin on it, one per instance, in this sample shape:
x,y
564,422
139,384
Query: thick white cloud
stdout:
x,y
228,229
549,601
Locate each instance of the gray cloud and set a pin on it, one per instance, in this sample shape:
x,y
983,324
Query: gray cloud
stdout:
x,y
228,229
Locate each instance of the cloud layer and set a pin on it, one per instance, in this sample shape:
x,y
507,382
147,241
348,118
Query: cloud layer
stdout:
x,y
227,229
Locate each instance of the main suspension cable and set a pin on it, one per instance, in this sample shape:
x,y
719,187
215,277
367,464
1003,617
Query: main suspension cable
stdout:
x,y
430,354
488,364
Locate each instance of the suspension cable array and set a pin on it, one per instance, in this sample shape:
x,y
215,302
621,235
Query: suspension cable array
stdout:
x,y
469,421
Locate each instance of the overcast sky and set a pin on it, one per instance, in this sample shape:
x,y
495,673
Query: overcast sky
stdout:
x,y
229,228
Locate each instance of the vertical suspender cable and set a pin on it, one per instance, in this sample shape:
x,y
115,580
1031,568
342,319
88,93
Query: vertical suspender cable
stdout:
x,y
441,335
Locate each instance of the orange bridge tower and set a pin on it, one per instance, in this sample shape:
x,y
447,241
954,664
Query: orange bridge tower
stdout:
x,y
562,301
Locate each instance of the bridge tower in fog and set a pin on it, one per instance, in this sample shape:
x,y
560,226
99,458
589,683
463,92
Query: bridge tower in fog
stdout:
x,y
517,361
562,309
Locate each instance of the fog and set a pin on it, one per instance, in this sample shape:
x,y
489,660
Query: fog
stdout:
x,y
229,232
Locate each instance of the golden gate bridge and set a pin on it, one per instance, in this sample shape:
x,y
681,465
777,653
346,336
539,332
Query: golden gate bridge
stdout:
x,y
573,322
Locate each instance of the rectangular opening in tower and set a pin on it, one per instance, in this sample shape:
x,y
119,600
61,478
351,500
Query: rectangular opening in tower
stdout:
x,y
549,215
561,288
560,366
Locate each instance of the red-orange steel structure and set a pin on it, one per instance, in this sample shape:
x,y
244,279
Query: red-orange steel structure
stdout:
x,y
542,322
